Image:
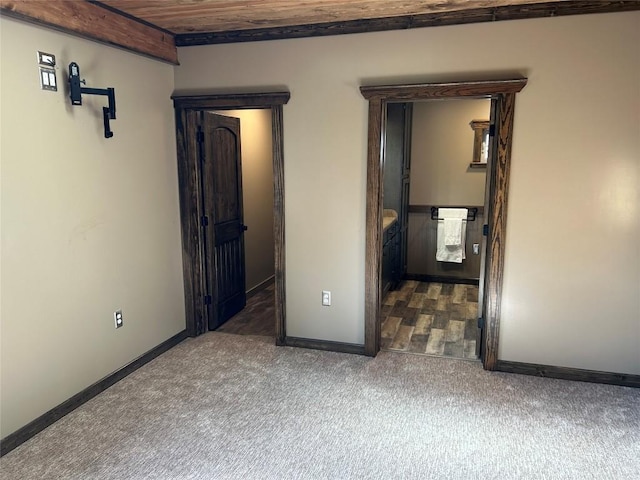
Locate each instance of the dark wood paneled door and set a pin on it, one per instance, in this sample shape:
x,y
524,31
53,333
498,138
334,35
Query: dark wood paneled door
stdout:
x,y
223,220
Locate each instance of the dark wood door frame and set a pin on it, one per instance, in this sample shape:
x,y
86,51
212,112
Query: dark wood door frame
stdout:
x,y
504,92
187,109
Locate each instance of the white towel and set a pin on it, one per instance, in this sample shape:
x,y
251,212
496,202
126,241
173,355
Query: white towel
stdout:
x,y
451,234
452,231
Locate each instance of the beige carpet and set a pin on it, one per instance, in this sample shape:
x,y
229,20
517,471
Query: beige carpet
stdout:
x,y
222,406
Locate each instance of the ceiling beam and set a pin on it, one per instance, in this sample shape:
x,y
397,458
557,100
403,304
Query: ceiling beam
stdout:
x,y
93,22
475,15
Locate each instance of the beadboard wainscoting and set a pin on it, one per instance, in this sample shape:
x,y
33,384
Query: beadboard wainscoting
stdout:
x,y
421,254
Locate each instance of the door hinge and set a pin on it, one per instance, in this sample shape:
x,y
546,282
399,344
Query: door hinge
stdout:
x,y
485,230
207,299
204,220
481,322
200,136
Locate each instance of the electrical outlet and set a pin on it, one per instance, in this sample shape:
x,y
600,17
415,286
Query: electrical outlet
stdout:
x,y
326,298
118,319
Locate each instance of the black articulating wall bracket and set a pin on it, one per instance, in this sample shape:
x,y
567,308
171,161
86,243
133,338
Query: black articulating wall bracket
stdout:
x,y
76,91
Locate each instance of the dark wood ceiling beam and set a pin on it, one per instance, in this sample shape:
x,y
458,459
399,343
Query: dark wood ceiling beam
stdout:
x,y
93,22
477,15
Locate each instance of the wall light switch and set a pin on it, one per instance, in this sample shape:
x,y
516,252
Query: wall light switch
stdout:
x,y
46,59
476,249
48,79
47,63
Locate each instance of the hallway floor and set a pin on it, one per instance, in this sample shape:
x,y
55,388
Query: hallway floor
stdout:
x,y
431,319
257,318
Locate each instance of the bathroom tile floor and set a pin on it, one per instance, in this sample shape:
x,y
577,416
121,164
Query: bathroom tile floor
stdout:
x,y
431,319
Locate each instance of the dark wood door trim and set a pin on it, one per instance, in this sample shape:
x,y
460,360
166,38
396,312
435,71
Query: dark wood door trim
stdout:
x,y
499,171
432,91
373,249
278,221
187,109
502,90
230,101
189,179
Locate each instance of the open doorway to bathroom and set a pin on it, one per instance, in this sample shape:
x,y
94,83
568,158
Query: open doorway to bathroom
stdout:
x,y
434,203
503,95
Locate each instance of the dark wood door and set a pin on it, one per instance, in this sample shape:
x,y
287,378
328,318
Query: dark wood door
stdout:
x,y
222,206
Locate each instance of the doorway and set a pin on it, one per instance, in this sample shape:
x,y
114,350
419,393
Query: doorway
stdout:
x,y
257,316
199,293
430,289
220,168
502,93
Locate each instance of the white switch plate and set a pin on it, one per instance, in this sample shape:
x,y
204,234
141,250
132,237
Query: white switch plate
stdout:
x,y
46,59
476,248
326,298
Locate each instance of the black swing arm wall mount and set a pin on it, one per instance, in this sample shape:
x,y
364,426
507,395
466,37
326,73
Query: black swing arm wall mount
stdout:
x,y
76,91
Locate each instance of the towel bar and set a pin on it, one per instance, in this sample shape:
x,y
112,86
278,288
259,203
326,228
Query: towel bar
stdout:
x,y
471,215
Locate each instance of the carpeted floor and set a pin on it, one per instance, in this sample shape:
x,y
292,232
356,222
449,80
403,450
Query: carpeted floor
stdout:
x,y
226,406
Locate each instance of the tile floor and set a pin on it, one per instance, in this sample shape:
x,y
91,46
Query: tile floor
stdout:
x,y
431,319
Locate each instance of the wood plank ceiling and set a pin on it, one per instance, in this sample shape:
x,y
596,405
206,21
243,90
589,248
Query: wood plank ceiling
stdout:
x,y
221,21
199,22
157,27
188,16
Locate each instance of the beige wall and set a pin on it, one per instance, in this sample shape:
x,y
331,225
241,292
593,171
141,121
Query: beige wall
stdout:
x,y
441,150
257,192
572,260
89,225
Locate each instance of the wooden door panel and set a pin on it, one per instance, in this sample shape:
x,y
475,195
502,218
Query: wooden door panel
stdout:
x,y
222,203
226,181
227,231
230,298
